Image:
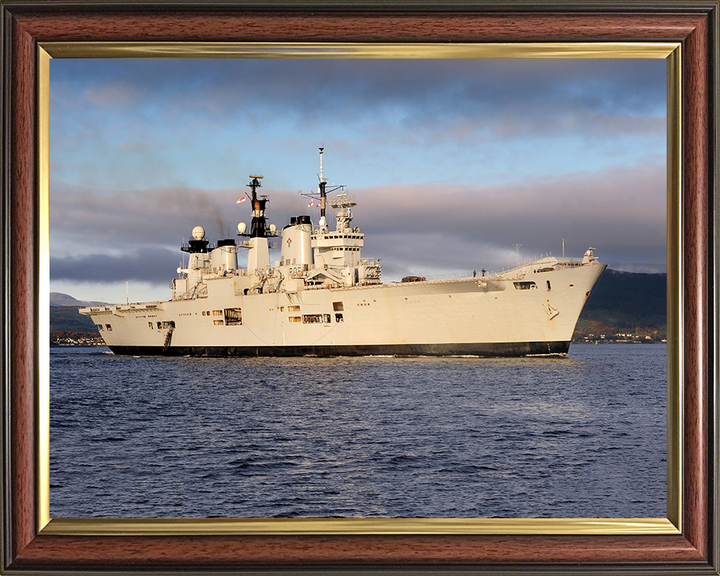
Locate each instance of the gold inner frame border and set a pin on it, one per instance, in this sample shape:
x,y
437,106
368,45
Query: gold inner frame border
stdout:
x,y
670,51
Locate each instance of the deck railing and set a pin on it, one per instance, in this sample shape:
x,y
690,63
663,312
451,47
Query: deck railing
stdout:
x,y
497,272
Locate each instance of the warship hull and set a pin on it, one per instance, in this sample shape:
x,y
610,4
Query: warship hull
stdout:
x,y
526,313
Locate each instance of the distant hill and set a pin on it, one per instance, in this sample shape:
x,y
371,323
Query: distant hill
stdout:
x,y
60,299
68,319
64,315
626,301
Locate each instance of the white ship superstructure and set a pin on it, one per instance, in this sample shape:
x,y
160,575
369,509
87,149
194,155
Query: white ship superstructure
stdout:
x,y
323,298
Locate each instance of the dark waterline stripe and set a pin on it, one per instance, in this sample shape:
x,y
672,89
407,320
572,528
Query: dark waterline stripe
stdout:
x,y
485,350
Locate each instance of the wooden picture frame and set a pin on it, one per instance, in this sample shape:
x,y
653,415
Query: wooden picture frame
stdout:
x,y
31,544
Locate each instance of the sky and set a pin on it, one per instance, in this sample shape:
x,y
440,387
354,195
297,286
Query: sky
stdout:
x,y
451,162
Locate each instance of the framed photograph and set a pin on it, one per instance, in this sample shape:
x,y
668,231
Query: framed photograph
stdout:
x,y
684,37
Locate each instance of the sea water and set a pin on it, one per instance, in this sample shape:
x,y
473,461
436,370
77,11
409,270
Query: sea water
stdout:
x,y
149,437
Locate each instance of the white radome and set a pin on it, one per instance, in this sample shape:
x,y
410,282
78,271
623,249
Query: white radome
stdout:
x,y
242,227
198,233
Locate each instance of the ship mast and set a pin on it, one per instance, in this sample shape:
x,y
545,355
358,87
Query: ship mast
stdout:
x,y
258,255
323,193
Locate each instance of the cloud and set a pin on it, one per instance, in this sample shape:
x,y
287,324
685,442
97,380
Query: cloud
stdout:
x,y
154,265
159,216
410,93
629,202
424,229
138,124
620,211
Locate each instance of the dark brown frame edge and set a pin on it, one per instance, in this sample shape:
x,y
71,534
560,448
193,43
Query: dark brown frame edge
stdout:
x,y
25,23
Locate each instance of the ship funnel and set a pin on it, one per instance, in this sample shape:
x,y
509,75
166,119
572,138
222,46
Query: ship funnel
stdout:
x,y
223,258
296,249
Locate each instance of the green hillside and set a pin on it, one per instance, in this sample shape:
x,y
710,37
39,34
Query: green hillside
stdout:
x,y
68,319
625,302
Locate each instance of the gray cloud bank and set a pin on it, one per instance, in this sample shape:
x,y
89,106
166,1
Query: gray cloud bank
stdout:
x,y
621,212
99,235
154,265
